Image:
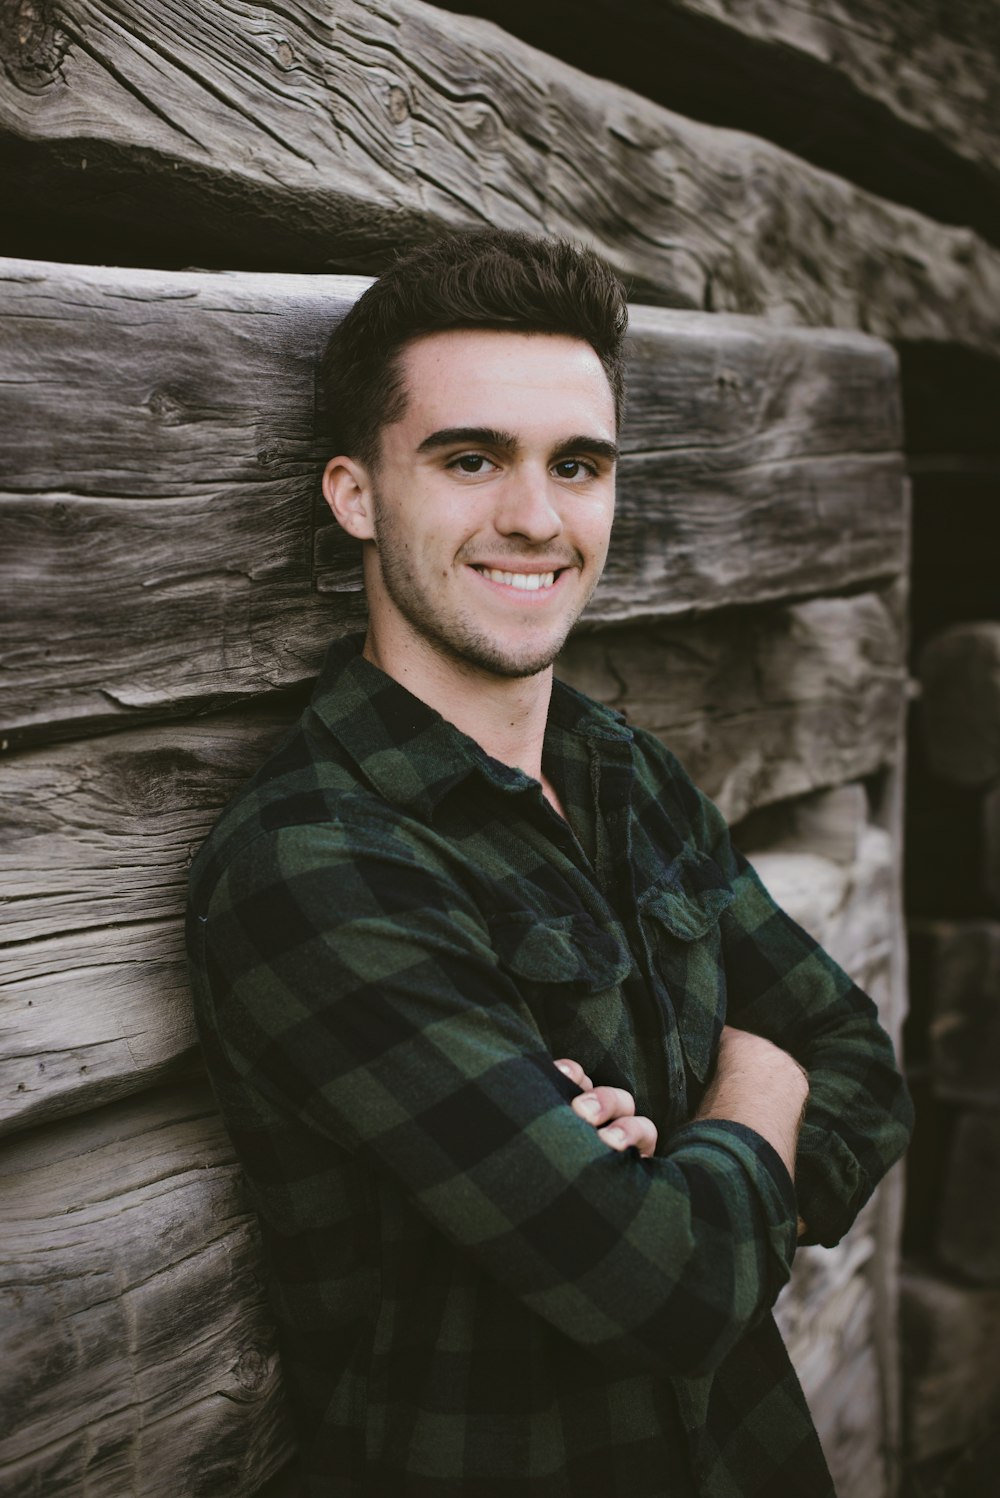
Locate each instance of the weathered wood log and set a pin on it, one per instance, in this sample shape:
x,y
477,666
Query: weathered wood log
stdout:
x,y
826,1315
169,551
90,1016
831,823
944,848
849,1409
956,967
270,136
139,1353
991,846
884,95
95,839
959,672
969,1226
823,1284
849,909
831,1311
950,1368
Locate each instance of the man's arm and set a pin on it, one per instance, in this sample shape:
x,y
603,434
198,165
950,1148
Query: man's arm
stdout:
x,y
353,985
759,1085
755,1084
783,987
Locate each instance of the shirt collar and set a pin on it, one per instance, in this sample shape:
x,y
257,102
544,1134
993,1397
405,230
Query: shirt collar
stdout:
x,y
412,756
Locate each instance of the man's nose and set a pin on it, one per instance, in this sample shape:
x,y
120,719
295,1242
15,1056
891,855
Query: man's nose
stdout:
x,y
528,507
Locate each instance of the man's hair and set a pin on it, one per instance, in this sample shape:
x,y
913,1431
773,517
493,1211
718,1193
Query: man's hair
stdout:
x,y
496,279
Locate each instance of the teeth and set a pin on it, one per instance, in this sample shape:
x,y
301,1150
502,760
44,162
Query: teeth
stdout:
x,y
529,581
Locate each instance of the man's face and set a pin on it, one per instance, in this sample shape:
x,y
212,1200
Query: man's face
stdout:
x,y
494,498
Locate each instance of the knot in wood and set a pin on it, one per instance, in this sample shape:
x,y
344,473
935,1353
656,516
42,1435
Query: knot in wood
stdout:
x,y
726,380
31,43
284,54
486,129
167,407
399,104
251,1369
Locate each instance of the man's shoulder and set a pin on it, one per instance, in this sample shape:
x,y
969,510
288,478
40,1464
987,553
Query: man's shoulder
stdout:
x,y
307,782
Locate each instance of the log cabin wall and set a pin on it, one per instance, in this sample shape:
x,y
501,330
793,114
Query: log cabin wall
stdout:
x,y
951,1283
169,583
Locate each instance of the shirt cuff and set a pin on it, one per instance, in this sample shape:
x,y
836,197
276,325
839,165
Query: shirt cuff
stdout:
x,y
771,1189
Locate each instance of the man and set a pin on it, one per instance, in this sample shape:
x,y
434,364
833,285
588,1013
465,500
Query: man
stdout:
x,y
513,1046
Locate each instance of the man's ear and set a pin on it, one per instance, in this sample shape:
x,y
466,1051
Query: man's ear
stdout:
x,y
347,489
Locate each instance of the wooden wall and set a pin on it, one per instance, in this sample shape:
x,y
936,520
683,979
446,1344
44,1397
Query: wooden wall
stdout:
x,y
169,582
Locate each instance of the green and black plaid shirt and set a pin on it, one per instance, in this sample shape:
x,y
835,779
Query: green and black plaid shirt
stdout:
x,y
392,936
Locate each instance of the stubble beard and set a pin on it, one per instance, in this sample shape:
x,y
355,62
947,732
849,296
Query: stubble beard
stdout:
x,y
456,636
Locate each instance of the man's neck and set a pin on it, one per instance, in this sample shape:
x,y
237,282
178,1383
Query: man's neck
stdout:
x,y
506,716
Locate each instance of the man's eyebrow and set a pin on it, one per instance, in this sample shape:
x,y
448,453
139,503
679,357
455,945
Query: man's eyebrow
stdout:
x,y
597,447
474,436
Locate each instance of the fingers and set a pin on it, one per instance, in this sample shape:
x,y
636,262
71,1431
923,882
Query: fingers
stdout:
x,y
611,1111
631,1133
576,1073
603,1105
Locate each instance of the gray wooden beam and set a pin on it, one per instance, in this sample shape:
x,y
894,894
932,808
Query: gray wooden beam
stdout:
x,y
885,95
140,1354
162,544
265,136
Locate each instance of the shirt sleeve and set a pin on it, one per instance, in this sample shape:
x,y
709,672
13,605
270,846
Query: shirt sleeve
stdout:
x,y
348,978
781,984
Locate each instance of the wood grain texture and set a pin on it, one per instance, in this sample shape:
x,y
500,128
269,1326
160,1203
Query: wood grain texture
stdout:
x,y
902,97
168,532
96,837
827,1318
139,1358
849,909
167,551
951,1370
959,719
968,1236
830,1311
322,138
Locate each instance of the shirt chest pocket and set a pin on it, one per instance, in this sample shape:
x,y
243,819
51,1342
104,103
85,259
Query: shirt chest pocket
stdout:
x,y
569,971
680,917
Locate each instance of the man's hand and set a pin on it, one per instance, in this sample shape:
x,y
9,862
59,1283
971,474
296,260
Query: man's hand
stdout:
x,y
611,1111
758,1084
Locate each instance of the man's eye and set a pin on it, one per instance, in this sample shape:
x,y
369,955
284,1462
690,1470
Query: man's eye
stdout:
x,y
471,463
574,468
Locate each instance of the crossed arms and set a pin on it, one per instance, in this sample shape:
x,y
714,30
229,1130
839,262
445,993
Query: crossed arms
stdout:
x,y
756,1084
355,989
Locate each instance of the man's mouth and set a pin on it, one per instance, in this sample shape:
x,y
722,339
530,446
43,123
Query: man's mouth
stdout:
x,y
529,582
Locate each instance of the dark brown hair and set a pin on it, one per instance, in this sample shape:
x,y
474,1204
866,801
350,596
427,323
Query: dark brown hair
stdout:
x,y
491,279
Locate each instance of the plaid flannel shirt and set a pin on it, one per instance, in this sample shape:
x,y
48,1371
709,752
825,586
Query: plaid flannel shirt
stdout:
x,y
392,936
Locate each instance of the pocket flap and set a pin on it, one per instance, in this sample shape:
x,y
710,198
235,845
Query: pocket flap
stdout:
x,y
691,896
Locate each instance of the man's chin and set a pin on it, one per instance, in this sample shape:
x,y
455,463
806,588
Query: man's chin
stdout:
x,y
509,667
485,657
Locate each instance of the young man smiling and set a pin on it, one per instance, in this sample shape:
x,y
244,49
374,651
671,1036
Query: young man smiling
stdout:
x,y
520,1059
487,516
